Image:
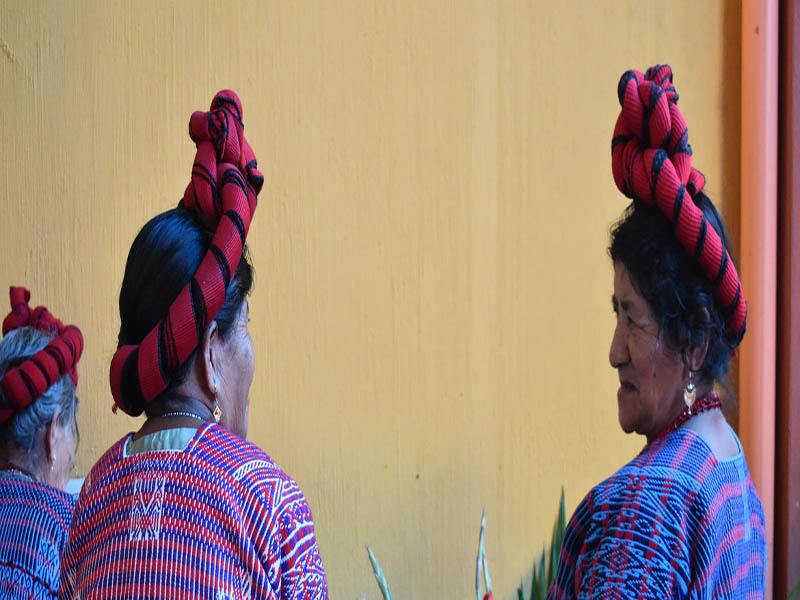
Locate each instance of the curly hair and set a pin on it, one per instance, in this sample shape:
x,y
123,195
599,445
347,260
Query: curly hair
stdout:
x,y
675,288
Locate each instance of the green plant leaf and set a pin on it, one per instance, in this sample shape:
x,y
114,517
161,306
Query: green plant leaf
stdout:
x,y
795,593
520,593
479,559
376,568
542,580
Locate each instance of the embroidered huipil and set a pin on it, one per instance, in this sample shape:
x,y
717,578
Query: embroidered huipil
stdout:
x,y
217,519
34,523
673,523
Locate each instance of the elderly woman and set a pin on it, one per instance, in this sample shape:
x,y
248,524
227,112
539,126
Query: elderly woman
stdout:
x,y
682,519
38,360
186,507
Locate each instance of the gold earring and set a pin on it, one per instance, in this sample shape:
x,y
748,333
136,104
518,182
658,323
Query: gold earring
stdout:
x,y
217,412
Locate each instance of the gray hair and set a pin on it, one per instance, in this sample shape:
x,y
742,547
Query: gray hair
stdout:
x,y
16,347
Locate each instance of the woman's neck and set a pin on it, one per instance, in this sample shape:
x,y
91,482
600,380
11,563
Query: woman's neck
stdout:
x,y
677,407
190,412
27,463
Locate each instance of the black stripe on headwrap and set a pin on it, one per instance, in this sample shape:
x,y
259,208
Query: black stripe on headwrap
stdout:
x,y
222,263
236,219
161,350
723,266
623,83
43,371
59,358
678,205
229,105
32,391
169,337
655,93
199,308
701,238
620,139
730,308
658,162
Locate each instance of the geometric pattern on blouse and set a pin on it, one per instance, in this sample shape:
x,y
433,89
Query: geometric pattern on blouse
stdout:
x,y
217,520
673,523
34,524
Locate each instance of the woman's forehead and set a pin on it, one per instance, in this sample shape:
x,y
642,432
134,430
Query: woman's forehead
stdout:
x,y
626,296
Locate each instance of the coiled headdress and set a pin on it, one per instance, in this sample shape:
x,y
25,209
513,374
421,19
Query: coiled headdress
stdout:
x,y
223,193
652,162
26,382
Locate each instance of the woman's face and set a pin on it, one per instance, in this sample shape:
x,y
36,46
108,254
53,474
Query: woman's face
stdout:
x,y
651,375
235,371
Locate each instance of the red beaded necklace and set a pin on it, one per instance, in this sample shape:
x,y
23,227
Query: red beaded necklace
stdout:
x,y
12,468
700,405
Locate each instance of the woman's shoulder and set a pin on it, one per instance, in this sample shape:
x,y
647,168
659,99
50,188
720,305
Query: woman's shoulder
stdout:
x,y
230,453
682,459
673,480
44,502
669,477
242,461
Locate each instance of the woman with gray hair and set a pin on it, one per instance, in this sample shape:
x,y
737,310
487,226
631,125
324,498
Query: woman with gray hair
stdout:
x,y
38,360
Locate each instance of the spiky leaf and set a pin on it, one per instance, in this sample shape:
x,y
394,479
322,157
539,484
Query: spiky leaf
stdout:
x,y
795,593
542,580
376,568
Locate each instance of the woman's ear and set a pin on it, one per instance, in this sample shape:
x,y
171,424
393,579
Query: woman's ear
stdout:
x,y
695,354
210,358
50,438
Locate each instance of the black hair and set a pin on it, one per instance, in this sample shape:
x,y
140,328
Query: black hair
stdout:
x,y
162,260
673,283
22,428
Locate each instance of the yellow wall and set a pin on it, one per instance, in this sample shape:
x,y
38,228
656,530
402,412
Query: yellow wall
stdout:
x,y
431,313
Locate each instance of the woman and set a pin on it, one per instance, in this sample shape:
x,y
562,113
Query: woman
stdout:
x,y
682,519
38,360
186,507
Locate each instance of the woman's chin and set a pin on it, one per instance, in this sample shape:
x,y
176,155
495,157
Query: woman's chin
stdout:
x,y
626,422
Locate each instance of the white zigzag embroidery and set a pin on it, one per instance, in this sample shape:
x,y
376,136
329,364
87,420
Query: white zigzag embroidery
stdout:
x,y
145,516
248,467
232,593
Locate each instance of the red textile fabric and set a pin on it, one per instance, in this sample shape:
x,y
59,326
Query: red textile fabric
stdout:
x,y
223,192
652,162
26,382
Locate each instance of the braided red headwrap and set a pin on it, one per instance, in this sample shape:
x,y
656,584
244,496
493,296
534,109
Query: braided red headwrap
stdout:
x,y
23,384
652,162
223,192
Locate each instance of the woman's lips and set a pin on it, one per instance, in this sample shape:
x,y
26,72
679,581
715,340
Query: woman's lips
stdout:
x,y
626,389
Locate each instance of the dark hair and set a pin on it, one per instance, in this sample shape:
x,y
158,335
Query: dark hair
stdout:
x,y
21,429
673,283
162,260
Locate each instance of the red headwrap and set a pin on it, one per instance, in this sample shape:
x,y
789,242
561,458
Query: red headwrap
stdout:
x,y
652,162
23,384
223,192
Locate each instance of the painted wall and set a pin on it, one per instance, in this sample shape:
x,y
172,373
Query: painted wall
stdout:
x,y
431,313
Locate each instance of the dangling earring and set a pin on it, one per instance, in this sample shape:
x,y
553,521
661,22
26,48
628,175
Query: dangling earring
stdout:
x,y
217,410
689,392
52,462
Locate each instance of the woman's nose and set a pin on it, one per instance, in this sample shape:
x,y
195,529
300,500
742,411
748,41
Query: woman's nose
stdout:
x,y
618,353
